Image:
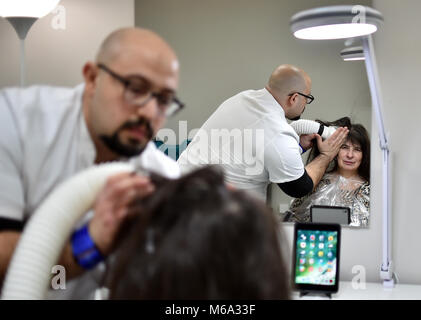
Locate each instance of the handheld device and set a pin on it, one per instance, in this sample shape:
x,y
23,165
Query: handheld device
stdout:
x,y
316,257
330,214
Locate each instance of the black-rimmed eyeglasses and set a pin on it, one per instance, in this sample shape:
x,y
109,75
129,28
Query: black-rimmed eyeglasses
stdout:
x,y
138,91
309,98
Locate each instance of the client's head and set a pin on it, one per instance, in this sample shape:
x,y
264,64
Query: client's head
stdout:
x,y
196,239
354,155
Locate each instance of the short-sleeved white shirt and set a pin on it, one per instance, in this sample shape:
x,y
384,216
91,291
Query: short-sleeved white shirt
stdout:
x,y
232,138
44,140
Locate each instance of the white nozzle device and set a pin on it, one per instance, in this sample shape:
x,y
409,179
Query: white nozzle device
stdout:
x,y
309,126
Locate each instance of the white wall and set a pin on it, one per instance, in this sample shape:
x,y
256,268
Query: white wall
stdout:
x,y
57,56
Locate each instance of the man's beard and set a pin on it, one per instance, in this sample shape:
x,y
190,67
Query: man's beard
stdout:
x,y
115,145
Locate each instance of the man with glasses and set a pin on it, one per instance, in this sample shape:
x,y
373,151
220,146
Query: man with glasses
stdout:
x,y
48,134
258,145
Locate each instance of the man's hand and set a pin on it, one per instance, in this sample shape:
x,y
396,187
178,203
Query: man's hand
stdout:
x,y
112,207
306,140
330,147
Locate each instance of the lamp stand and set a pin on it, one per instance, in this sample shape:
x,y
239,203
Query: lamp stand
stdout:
x,y
386,271
22,26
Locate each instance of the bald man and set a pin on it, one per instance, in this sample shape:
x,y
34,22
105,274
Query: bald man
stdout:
x,y
48,134
249,136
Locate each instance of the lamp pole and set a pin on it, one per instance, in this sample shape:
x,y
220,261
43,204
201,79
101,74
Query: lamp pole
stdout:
x,y
386,271
22,26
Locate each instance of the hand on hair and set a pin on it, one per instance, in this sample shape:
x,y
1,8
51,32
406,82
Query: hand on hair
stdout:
x,y
330,147
306,140
112,207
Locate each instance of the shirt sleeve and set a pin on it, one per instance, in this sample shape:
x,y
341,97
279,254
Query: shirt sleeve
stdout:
x,y
11,186
283,159
298,188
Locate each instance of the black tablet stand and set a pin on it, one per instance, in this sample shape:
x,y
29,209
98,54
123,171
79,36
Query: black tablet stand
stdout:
x,y
304,293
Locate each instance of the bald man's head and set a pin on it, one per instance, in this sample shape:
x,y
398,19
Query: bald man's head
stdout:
x,y
119,40
287,79
287,84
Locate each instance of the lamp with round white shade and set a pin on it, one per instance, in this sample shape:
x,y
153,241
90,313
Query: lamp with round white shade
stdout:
x,y
335,22
27,8
339,22
22,14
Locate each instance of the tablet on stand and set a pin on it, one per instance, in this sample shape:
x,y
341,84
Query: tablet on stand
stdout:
x,y
316,258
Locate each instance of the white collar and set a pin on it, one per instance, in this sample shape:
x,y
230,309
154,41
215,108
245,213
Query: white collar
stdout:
x,y
272,103
86,147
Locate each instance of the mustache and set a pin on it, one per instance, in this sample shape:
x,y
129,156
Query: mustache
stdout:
x,y
114,144
140,122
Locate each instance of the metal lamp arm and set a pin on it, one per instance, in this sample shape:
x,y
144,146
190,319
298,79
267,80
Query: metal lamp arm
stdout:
x,y
386,272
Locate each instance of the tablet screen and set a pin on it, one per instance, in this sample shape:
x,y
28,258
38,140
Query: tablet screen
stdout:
x,y
316,257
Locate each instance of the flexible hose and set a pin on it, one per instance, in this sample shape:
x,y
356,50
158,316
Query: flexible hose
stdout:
x,y
48,230
309,126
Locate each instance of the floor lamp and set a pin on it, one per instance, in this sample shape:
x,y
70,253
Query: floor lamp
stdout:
x,y
22,14
346,22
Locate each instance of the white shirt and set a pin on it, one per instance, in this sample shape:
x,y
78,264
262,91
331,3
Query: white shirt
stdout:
x,y
250,138
43,141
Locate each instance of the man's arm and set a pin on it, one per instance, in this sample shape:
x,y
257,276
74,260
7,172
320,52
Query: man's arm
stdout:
x,y
8,241
10,230
315,170
111,210
298,188
328,150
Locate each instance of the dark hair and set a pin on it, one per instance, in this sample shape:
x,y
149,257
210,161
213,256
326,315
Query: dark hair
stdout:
x,y
357,135
196,239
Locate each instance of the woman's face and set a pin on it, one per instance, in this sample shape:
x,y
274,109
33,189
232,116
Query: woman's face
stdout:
x,y
349,157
